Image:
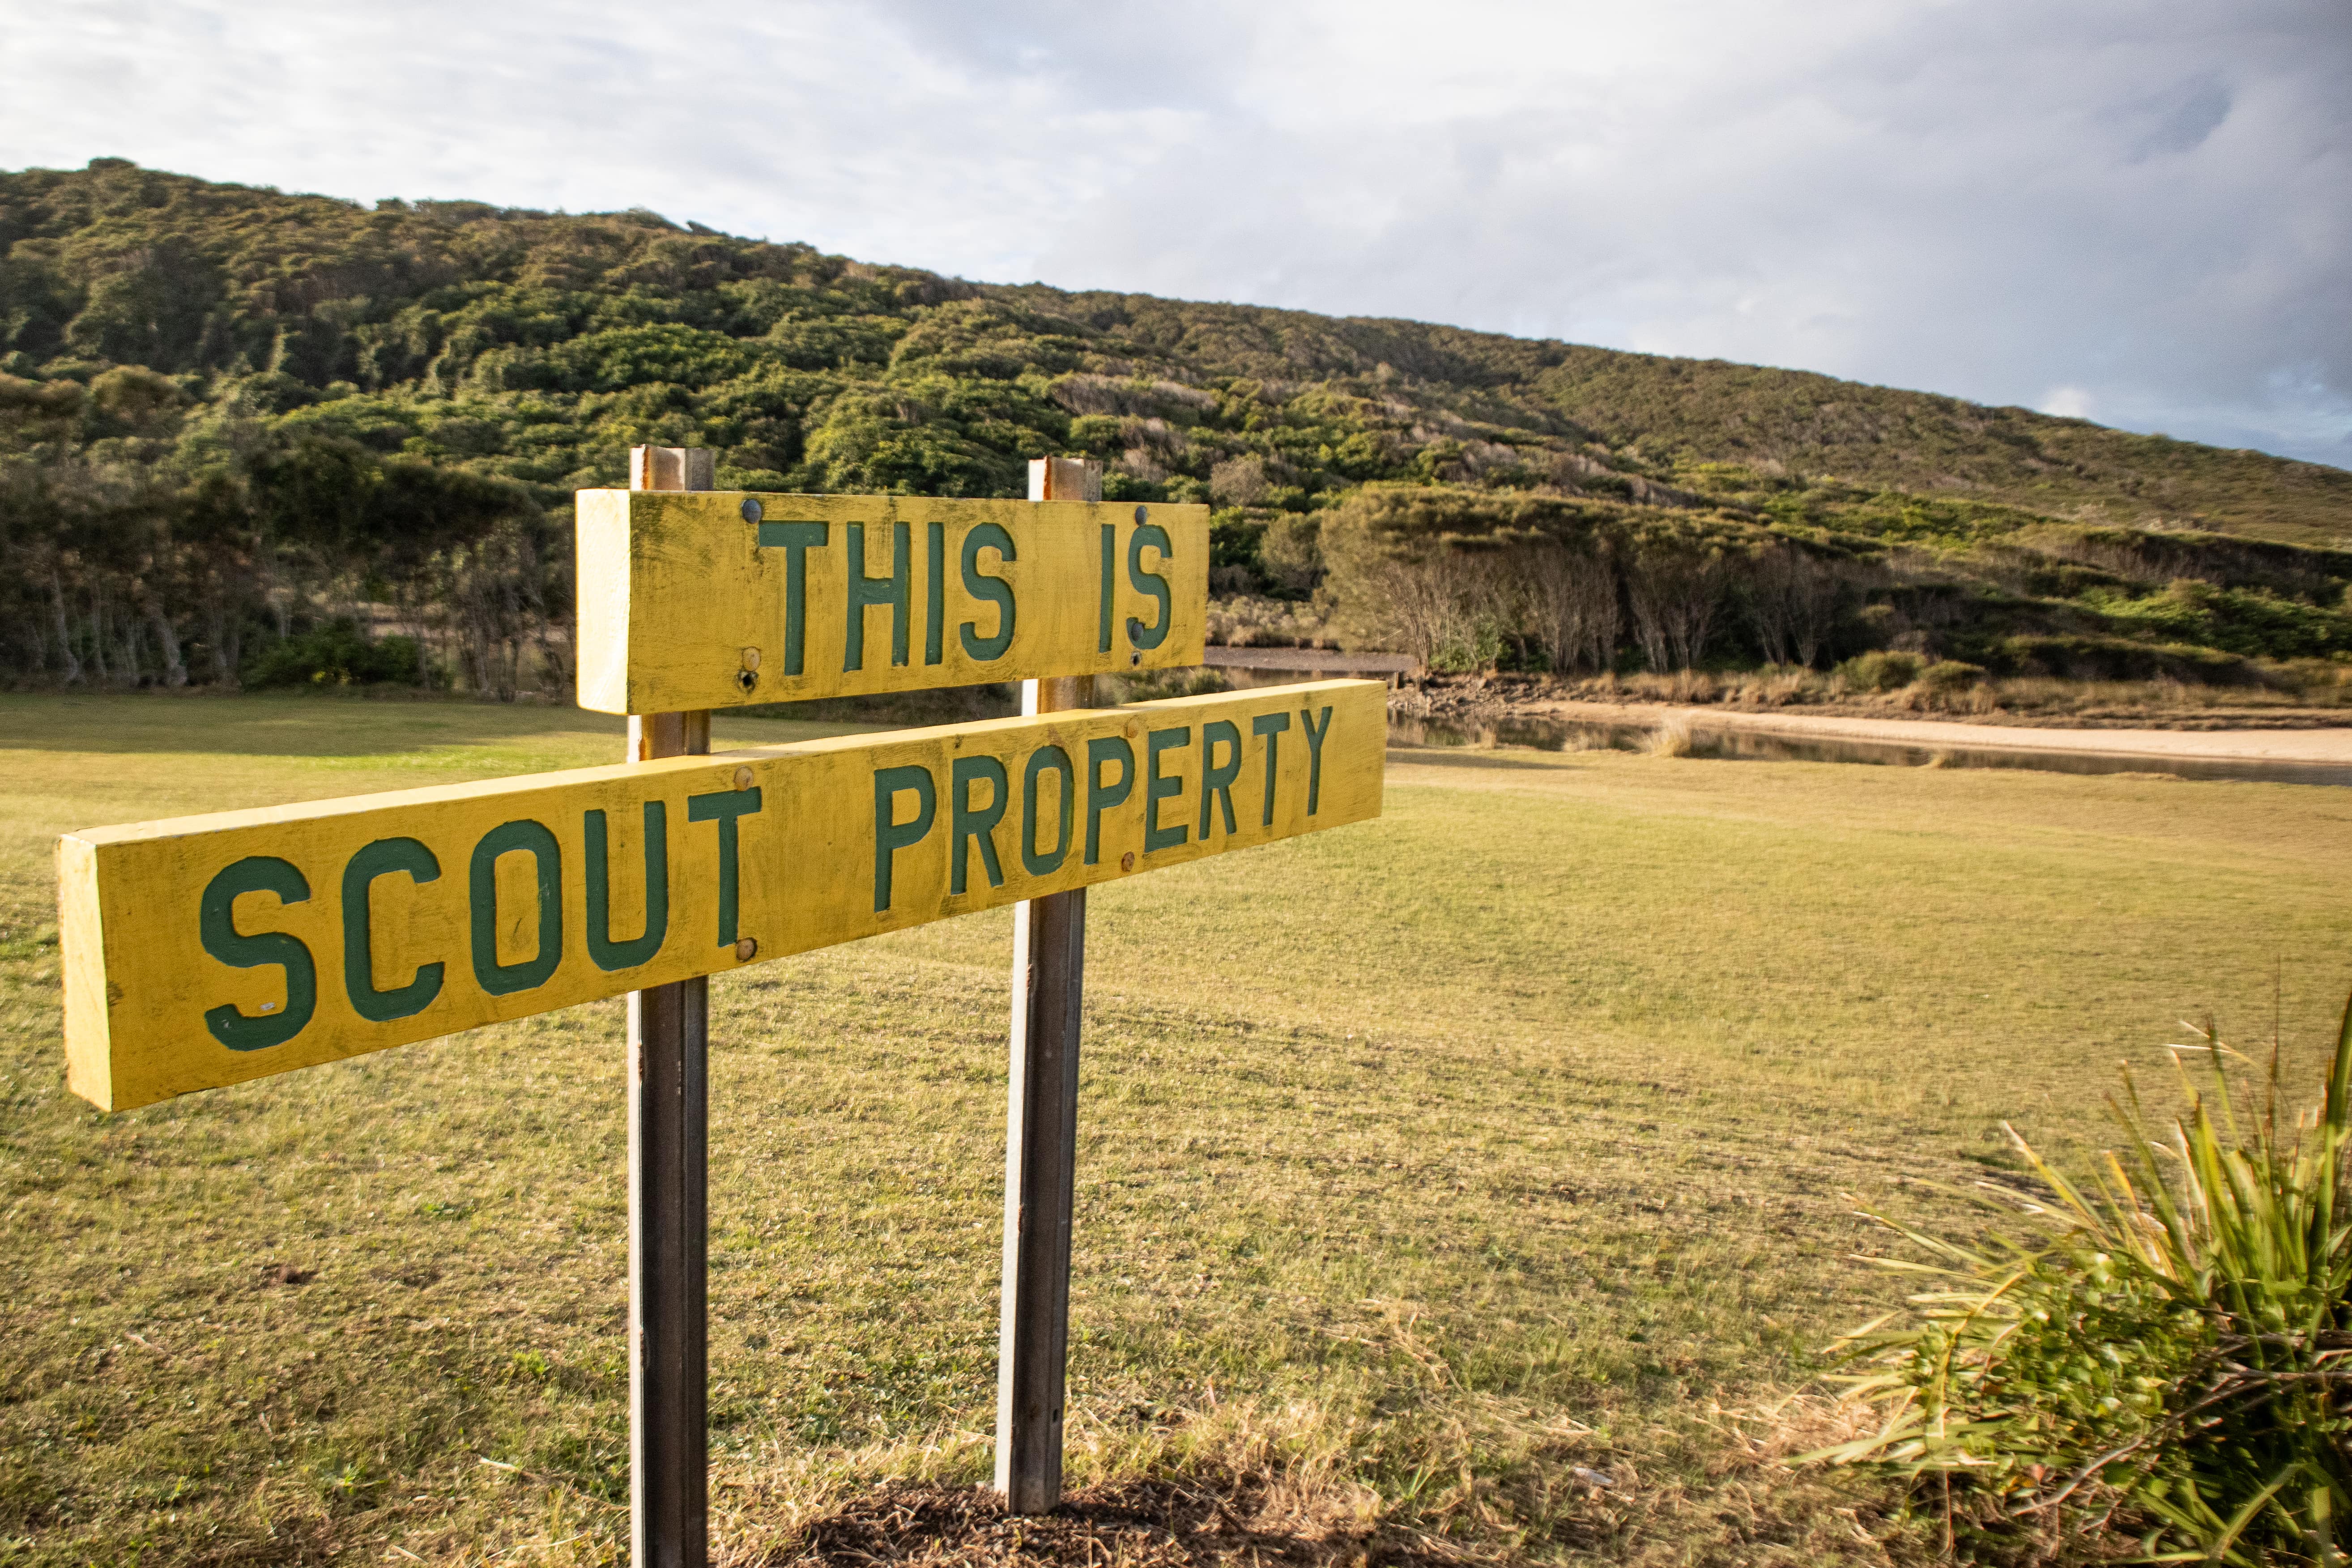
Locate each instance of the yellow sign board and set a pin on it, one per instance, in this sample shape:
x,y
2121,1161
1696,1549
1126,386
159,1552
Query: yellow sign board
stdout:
x,y
204,951
713,599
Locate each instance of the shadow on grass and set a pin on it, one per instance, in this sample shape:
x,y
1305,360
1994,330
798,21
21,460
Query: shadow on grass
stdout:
x,y
279,724
382,722
1475,759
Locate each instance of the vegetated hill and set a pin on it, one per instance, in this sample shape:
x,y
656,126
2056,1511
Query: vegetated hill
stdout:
x,y
226,412
1729,431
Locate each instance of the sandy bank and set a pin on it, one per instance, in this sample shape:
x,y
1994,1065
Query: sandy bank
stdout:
x,y
2212,745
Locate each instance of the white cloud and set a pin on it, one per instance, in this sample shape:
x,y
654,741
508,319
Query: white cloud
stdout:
x,y
2067,403
2145,205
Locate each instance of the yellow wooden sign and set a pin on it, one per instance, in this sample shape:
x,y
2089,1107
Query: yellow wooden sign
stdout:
x,y
713,599
204,951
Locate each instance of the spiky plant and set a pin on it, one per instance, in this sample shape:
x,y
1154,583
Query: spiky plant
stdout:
x,y
2163,1346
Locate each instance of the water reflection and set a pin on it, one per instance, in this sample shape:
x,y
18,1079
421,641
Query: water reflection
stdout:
x,y
1748,745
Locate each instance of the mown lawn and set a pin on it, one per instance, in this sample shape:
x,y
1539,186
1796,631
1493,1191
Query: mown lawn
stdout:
x,y
1436,1159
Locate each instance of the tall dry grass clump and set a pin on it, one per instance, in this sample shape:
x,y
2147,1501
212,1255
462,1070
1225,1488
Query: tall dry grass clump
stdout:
x,y
1688,686
2166,1345
1248,620
1777,686
1670,739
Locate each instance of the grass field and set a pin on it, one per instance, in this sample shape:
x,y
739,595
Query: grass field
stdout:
x,y
1439,1167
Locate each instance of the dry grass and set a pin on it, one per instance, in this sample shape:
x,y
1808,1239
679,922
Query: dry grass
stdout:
x,y
1428,1170
2326,691
2321,694
1670,739
1160,1523
1247,1500
1244,1483
1246,620
1220,1486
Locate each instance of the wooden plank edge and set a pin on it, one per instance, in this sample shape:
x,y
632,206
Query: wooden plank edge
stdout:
x,y
601,614
310,810
81,971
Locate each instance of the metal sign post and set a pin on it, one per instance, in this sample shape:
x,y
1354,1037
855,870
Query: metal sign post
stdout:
x,y
1049,961
669,1149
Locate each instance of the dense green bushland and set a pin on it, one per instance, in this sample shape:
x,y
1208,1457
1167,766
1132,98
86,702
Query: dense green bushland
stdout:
x,y
1466,577
228,415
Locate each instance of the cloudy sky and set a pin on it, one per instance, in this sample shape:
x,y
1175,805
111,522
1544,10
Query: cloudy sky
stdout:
x,y
2138,212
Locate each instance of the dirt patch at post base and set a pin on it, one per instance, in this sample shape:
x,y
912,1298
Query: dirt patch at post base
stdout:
x,y
1132,1524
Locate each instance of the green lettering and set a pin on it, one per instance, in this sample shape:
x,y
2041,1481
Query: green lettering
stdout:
x,y
723,807
1109,580
1156,788
795,540
380,859
1044,757
524,837
603,951
865,592
935,591
890,837
969,824
1101,798
988,536
1150,536
1271,726
217,924
1314,754
1217,778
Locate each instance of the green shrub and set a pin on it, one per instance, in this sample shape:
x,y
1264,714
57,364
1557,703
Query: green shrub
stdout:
x,y
1947,676
1234,540
2248,621
2164,1345
1880,671
335,653
2077,657
1480,648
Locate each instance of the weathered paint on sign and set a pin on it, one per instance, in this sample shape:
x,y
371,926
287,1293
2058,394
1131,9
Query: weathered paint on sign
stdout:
x,y
714,599
205,951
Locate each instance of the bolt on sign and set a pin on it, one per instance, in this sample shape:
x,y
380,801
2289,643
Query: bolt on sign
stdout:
x,y
205,951
712,599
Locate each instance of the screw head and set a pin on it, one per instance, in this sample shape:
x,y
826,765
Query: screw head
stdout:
x,y
751,511
743,778
1126,861
750,658
747,678
746,951
1141,513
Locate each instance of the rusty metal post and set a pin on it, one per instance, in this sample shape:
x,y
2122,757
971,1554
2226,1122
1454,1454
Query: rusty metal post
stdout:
x,y
669,1027
1049,956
